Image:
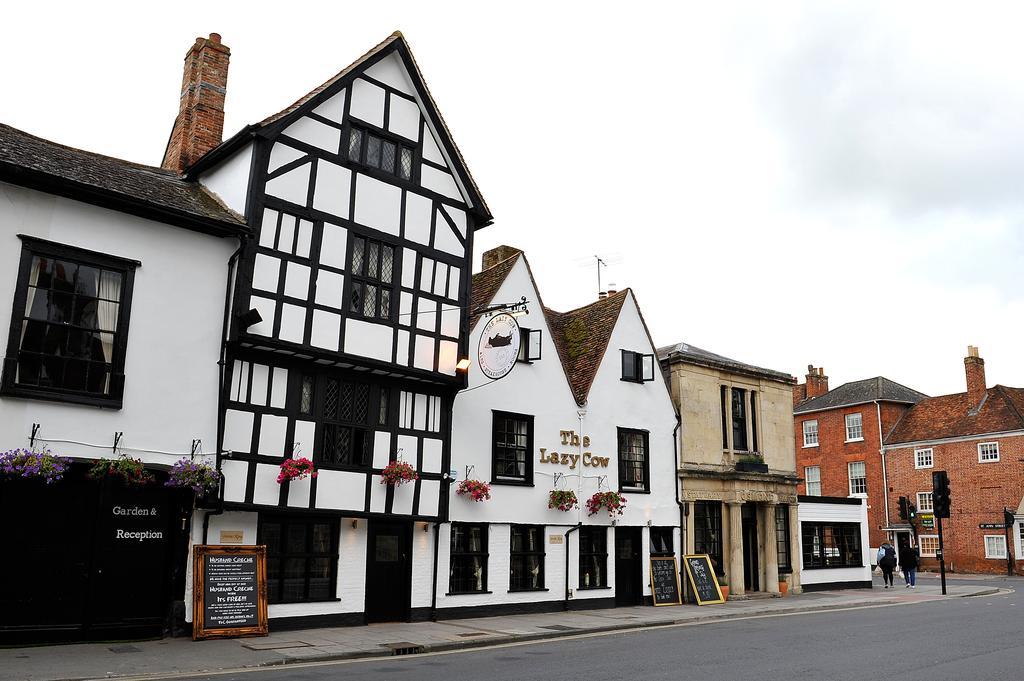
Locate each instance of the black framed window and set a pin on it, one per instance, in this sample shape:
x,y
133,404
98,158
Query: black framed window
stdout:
x,y
725,417
661,542
707,531
831,545
782,542
529,346
347,410
302,557
637,367
377,151
372,269
69,325
634,460
526,571
739,420
468,570
512,443
753,419
593,557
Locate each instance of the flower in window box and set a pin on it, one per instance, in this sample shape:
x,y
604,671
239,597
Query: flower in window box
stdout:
x,y
131,471
614,502
398,473
200,477
22,463
562,499
478,490
296,469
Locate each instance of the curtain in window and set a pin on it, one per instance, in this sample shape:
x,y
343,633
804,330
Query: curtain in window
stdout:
x,y
106,311
33,281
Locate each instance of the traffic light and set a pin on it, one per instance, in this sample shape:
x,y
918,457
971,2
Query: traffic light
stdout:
x,y
904,510
911,512
940,494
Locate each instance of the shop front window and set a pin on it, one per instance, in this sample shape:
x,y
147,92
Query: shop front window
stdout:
x,y
782,538
707,531
593,557
468,573
526,572
302,558
831,545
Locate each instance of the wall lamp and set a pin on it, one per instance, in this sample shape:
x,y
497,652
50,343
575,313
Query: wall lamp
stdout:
x,y
463,364
250,318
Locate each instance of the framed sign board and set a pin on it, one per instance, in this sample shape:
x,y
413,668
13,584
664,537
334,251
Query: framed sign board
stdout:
x,y
702,579
229,591
665,581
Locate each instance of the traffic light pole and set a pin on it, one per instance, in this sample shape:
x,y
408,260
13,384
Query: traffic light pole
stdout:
x,y
1007,524
942,556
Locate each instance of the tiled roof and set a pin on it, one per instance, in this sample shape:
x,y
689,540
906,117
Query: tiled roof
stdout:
x,y
691,354
485,286
581,337
131,187
936,418
859,392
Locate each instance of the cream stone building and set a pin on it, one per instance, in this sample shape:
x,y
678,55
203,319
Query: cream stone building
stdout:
x,y
737,471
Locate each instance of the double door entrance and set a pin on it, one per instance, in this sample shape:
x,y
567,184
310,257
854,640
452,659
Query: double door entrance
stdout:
x,y
388,571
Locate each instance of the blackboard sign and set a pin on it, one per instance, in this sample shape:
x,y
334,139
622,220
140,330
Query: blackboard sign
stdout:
x,y
703,579
665,581
229,591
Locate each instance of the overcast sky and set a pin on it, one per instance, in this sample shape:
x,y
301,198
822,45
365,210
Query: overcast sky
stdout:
x,y
784,184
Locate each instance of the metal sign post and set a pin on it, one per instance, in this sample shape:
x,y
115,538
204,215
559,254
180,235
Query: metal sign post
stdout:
x,y
942,557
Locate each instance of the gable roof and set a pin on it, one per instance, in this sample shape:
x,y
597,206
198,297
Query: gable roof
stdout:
x,y
152,193
936,418
485,285
691,354
878,388
394,42
581,337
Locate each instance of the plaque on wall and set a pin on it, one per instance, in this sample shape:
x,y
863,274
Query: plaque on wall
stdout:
x,y
229,591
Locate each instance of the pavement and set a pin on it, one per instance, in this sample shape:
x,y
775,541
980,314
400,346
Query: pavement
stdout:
x,y
170,657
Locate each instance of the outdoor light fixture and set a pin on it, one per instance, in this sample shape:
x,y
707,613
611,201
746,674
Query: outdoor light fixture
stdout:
x,y
250,318
463,364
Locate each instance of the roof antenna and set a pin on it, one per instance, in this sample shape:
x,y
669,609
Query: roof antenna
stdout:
x,y
600,263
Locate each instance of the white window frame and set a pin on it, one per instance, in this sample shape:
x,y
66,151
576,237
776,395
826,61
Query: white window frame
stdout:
x,y
808,482
920,545
1018,535
807,432
920,504
859,425
1002,539
982,457
918,453
849,475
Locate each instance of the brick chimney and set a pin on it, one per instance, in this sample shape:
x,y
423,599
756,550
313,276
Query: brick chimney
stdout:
x,y
974,367
199,126
817,381
499,254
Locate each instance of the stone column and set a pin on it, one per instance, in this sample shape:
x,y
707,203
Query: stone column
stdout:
x,y
771,550
795,551
736,548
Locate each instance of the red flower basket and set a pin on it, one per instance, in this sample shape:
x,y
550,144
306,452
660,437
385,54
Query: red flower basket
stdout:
x,y
613,501
398,473
562,499
477,489
296,469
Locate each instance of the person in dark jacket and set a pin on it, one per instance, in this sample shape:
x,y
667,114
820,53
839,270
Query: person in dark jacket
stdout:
x,y
908,563
887,562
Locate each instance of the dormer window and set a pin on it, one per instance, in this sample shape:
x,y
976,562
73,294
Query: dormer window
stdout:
x,y
637,367
375,151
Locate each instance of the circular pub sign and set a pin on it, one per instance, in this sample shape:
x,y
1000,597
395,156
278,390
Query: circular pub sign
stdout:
x,y
499,346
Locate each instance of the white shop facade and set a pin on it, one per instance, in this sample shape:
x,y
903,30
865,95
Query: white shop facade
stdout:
x,y
584,409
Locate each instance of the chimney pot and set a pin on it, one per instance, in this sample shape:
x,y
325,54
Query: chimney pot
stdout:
x,y
498,254
215,38
199,126
816,381
974,369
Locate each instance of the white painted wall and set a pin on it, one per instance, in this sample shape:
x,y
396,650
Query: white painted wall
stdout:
x,y
839,513
229,180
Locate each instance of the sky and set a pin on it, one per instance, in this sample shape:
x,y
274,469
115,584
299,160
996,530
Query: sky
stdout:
x,y
783,183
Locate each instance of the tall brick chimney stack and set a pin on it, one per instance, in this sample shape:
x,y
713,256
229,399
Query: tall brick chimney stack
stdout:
x,y
498,254
199,126
817,381
974,367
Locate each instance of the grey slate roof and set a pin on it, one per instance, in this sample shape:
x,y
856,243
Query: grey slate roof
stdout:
x,y
691,354
160,194
859,392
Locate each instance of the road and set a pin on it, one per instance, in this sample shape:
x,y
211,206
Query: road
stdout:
x,y
961,638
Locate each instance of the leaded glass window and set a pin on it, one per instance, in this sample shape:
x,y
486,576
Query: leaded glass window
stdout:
x,y
372,265
372,150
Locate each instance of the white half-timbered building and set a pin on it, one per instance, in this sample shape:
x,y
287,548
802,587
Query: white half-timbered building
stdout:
x,y
349,316
583,409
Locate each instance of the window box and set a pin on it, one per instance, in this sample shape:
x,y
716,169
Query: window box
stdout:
x,y
751,465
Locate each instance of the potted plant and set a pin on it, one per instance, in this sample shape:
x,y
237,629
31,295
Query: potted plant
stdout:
x,y
198,476
614,502
783,586
26,464
723,584
131,471
751,463
476,489
397,473
296,469
562,499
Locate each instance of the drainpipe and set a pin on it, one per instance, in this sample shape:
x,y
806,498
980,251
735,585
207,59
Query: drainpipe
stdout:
x,y
433,589
565,605
881,453
679,503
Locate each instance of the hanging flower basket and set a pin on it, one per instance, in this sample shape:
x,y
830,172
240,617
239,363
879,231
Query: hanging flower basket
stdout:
x,y
477,489
562,499
201,478
131,471
22,463
613,501
398,473
296,469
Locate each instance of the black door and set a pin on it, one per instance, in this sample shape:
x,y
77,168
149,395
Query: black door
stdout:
x,y
751,568
902,541
388,571
628,568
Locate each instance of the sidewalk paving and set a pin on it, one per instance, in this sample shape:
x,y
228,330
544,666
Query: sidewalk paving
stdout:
x,y
143,659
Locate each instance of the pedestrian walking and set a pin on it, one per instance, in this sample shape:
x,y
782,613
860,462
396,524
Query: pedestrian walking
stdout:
x,y
908,563
887,561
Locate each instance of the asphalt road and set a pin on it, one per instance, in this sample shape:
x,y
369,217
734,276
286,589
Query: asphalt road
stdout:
x,y
961,638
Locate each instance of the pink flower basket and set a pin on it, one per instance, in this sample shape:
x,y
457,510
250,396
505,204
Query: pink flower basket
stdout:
x,y
296,469
476,489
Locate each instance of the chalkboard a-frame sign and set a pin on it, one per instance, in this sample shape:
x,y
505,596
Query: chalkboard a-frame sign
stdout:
x,y
702,579
229,591
665,581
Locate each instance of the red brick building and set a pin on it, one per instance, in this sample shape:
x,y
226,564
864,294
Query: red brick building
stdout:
x,y
977,437
838,436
